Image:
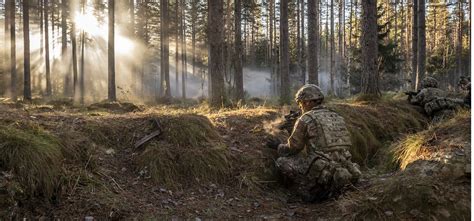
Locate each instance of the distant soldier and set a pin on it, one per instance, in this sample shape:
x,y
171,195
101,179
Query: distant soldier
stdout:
x,y
316,157
434,100
465,84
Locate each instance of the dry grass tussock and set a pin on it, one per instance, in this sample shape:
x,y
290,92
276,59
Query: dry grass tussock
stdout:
x,y
446,136
33,157
374,124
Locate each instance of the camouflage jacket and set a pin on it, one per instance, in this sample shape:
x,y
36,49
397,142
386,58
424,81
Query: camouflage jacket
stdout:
x,y
426,95
317,130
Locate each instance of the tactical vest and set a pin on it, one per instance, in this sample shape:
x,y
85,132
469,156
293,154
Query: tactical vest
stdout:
x,y
327,131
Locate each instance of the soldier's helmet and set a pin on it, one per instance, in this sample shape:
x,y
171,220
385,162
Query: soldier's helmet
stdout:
x,y
309,92
429,82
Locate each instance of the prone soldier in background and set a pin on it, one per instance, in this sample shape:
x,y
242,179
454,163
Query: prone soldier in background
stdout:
x,y
316,157
434,100
465,84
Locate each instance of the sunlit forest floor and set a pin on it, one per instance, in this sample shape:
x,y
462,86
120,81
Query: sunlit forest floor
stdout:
x,y
62,161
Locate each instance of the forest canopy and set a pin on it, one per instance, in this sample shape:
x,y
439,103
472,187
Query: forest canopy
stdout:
x,y
150,51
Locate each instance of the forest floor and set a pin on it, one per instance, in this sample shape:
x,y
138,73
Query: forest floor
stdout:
x,y
60,161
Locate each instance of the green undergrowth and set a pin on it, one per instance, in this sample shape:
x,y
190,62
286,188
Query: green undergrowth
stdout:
x,y
33,156
373,125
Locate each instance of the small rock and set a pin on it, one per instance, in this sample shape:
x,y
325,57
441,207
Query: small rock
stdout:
x,y
110,151
396,199
248,211
88,218
256,204
290,213
372,198
124,169
197,219
444,212
388,213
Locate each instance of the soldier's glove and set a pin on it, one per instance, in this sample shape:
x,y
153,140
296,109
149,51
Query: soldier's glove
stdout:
x,y
273,143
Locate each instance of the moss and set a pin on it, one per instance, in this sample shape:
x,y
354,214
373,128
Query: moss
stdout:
x,y
34,156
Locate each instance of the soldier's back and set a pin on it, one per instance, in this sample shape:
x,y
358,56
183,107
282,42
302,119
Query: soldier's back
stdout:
x,y
327,130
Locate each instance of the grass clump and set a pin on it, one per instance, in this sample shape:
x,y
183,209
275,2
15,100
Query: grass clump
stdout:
x,y
189,151
33,156
373,125
453,133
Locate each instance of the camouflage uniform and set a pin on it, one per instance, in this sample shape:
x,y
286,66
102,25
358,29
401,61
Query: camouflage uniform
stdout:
x,y
316,157
434,101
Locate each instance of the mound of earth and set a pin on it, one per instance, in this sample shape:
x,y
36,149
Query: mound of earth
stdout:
x,y
201,164
118,107
433,182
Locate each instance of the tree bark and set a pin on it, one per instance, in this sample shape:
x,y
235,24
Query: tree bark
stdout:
x,y
414,47
313,41
303,47
13,77
177,42
165,89
26,49
332,69
459,69
420,72
284,54
83,45
369,48
67,80
111,52
238,75
184,58
5,59
216,53
74,50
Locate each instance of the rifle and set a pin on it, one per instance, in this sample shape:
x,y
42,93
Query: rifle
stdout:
x,y
290,120
411,94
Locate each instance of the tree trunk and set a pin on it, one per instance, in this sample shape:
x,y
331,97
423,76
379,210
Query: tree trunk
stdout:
x,y
216,53
74,50
67,80
178,32
193,33
459,68
369,48
13,77
238,75
111,52
272,65
26,49
414,46
165,89
303,47
5,59
420,73
332,69
83,45
284,54
313,41
183,50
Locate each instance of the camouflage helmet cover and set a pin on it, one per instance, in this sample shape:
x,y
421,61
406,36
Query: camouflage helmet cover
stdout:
x,y
429,82
309,92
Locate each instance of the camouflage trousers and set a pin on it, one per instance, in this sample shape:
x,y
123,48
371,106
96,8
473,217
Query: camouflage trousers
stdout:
x,y
442,108
320,175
